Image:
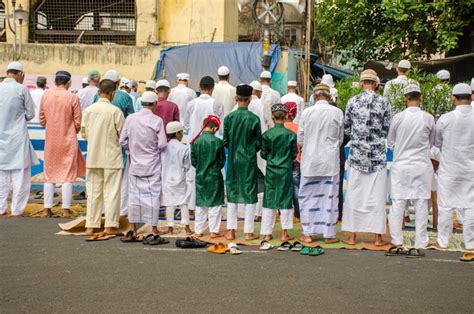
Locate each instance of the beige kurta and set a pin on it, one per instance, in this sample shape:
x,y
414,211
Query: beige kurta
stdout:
x,y
60,114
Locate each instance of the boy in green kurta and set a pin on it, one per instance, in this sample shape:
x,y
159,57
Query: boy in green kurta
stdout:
x,y
242,135
279,149
208,157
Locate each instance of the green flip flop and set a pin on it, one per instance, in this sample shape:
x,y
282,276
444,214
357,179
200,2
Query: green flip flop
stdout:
x,y
305,250
316,251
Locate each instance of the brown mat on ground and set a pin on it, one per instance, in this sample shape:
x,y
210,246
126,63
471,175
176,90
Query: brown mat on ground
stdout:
x,y
78,226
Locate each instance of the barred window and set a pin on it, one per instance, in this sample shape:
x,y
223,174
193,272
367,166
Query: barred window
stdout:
x,y
84,21
3,25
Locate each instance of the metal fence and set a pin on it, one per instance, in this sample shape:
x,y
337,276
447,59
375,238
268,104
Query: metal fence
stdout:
x,y
83,21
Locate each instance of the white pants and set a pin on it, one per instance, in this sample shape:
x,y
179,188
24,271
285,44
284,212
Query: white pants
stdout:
x,y
258,211
66,191
445,226
249,217
395,220
269,217
207,217
170,215
20,182
124,189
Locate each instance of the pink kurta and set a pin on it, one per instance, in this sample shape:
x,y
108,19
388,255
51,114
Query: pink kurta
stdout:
x,y
60,114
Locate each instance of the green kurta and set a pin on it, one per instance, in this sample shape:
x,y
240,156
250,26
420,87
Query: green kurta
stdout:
x,y
242,136
208,157
279,149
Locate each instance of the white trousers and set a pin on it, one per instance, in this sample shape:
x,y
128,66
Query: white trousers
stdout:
x,y
124,189
170,215
395,221
445,226
249,217
269,217
20,182
66,191
258,211
207,217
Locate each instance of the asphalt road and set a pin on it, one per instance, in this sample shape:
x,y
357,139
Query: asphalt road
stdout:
x,y
44,273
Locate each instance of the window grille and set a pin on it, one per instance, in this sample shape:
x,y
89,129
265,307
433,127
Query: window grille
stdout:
x,y
83,21
3,25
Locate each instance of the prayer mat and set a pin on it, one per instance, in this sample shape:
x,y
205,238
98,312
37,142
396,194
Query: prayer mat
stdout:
x,y
78,226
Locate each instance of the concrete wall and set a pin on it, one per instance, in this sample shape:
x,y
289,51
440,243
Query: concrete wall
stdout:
x,y
133,62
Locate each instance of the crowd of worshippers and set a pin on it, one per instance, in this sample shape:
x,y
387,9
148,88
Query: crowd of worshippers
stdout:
x,y
167,148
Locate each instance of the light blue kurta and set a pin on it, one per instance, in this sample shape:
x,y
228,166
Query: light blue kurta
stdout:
x,y
16,108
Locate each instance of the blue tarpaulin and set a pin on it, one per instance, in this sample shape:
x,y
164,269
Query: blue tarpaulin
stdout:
x,y
337,73
201,59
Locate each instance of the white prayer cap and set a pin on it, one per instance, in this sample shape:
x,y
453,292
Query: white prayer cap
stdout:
x,y
266,75
223,70
163,83
112,75
15,65
328,80
462,89
256,85
173,127
149,97
182,76
150,84
443,75
292,83
410,88
404,64
85,80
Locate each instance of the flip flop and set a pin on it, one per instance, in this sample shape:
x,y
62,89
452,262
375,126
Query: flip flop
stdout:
x,y
130,237
316,251
234,249
148,238
101,236
467,257
158,240
396,251
265,245
285,246
305,250
415,253
218,248
297,247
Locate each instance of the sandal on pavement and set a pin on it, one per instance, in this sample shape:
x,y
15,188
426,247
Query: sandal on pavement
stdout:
x,y
190,243
158,240
148,238
265,245
396,251
101,236
316,251
218,248
415,253
467,257
297,247
285,246
305,250
234,249
130,237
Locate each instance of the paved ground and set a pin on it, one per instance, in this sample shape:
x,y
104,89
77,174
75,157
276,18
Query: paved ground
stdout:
x,y
44,273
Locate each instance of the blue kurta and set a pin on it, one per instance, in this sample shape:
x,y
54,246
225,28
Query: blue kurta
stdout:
x,y
123,101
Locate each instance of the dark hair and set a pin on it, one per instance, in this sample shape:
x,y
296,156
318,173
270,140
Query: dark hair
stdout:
x,y
369,82
223,77
413,96
84,85
403,70
243,98
172,135
207,83
147,103
61,80
162,89
211,124
266,80
279,115
149,89
107,86
41,84
13,71
463,96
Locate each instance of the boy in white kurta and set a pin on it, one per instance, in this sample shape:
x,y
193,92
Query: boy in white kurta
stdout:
x,y
176,164
455,139
411,136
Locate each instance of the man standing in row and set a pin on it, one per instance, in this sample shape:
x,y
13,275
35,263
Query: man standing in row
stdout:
x,y
321,132
269,97
168,111
293,97
16,152
455,139
242,136
182,94
61,115
224,92
367,121
101,126
411,136
88,93
37,94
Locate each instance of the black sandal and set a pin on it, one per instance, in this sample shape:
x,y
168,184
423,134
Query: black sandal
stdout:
x,y
415,253
395,251
157,240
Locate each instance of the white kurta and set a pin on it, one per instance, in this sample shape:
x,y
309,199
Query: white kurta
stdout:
x,y
197,110
269,98
87,95
225,94
320,134
176,164
411,136
298,100
36,95
455,139
181,95
16,108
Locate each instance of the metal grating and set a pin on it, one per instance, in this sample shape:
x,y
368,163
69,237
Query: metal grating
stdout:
x,y
3,25
83,21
